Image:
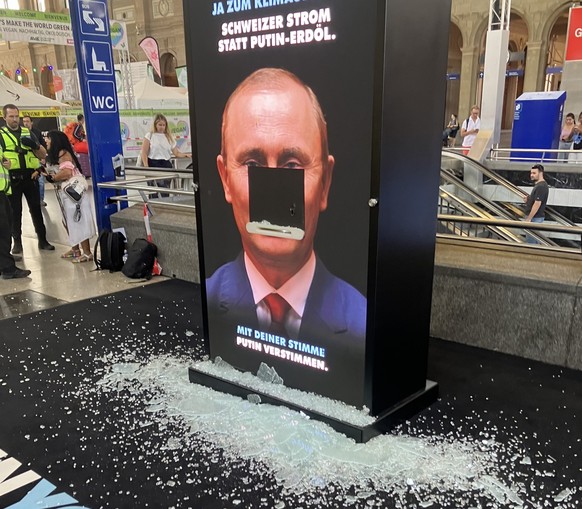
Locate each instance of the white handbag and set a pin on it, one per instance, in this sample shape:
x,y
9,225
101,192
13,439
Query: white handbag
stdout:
x,y
75,187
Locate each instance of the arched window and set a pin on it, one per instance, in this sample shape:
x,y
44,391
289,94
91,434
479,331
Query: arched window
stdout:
x,y
21,75
168,70
453,71
556,50
5,72
46,81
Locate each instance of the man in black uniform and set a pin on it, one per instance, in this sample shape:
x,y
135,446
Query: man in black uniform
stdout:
x,y
23,151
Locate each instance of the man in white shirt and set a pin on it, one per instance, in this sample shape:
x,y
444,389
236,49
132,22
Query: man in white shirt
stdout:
x,y
469,129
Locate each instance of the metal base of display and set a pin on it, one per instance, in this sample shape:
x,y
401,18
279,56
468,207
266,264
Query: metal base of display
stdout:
x,y
383,423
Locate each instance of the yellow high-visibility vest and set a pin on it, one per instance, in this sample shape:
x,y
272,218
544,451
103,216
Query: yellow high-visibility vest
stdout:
x,y
4,178
13,150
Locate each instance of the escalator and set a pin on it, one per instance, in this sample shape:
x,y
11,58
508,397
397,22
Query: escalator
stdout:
x,y
470,189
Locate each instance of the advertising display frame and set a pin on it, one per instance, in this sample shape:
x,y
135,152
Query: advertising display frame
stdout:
x,y
396,202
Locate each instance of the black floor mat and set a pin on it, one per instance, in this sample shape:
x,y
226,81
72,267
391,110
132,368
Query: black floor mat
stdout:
x,y
109,450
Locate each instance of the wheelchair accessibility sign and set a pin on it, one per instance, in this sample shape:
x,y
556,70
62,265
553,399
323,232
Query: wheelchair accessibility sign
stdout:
x,y
93,16
102,96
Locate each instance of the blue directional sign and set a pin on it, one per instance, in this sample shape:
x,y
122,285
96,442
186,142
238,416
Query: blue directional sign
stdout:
x,y
97,58
90,24
102,96
93,18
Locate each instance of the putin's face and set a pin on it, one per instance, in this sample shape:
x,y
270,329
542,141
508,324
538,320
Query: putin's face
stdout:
x,y
274,127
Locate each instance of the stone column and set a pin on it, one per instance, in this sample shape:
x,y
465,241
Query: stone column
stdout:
x,y
469,76
535,66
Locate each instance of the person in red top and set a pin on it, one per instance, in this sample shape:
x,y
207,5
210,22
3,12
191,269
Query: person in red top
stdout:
x,y
75,131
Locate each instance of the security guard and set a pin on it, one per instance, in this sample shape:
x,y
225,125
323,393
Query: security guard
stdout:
x,y
23,151
8,268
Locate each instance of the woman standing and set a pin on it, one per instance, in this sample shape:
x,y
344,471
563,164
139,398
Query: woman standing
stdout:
x,y
451,131
566,136
77,217
159,146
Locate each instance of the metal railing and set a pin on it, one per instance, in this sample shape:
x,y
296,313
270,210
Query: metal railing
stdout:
x,y
518,225
486,219
459,218
535,155
145,189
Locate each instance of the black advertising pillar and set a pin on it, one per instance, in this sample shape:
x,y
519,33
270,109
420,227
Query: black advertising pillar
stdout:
x,y
405,179
316,137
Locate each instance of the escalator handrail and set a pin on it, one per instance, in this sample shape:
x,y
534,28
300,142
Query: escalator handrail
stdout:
x,y
498,179
490,205
475,212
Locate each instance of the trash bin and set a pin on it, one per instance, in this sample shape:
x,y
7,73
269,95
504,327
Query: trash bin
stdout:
x,y
537,122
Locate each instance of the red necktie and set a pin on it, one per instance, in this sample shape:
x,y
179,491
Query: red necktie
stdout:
x,y
278,307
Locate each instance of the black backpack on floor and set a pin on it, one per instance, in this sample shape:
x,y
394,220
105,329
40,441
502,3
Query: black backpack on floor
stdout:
x,y
109,250
140,261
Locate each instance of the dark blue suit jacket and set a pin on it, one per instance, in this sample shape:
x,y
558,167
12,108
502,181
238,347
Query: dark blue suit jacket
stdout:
x,y
333,307
334,318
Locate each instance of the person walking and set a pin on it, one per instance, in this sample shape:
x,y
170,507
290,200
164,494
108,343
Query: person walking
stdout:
x,y
470,129
23,151
535,203
8,268
29,123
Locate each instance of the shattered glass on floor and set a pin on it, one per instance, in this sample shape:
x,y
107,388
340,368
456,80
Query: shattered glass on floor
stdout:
x,y
319,466
111,411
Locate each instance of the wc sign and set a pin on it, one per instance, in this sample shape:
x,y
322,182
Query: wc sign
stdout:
x,y
102,96
97,57
574,41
